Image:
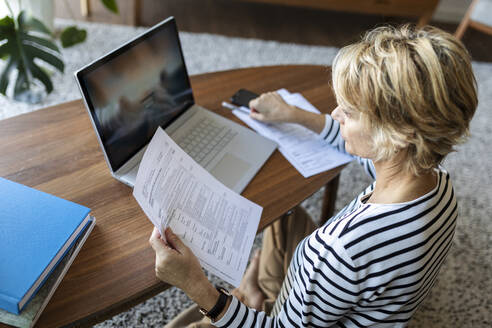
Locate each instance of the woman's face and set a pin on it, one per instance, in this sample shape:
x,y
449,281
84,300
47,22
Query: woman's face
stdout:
x,y
354,132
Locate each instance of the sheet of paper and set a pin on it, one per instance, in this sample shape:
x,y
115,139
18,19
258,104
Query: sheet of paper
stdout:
x,y
300,146
218,224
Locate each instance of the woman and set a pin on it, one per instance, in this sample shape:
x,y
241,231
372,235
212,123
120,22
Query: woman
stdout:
x,y
405,98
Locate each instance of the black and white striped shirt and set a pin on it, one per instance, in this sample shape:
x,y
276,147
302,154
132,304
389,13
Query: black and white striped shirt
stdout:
x,y
370,265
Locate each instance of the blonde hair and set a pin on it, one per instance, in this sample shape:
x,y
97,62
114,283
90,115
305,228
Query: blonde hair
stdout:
x,y
414,89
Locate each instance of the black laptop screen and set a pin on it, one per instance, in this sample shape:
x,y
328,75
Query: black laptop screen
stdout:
x,y
136,88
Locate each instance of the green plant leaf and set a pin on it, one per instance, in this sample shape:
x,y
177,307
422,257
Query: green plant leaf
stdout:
x,y
72,35
21,49
30,23
110,5
6,22
38,73
4,50
21,84
7,27
35,52
41,41
4,78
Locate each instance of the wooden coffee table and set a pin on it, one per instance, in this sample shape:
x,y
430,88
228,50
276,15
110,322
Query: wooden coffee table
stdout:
x,y
55,150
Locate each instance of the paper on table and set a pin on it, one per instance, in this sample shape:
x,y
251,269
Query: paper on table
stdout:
x,y
300,146
218,224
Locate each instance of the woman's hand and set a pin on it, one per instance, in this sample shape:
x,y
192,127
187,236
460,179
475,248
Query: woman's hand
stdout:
x,y
270,107
175,263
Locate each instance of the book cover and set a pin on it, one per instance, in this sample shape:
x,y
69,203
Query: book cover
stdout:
x,y
32,311
36,229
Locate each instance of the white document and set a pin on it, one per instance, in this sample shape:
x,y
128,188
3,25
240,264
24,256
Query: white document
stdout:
x,y
300,146
218,224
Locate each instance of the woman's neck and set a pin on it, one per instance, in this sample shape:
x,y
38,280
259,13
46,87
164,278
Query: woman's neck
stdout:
x,y
396,185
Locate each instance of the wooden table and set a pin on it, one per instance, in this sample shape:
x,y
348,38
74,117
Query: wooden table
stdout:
x,y
55,150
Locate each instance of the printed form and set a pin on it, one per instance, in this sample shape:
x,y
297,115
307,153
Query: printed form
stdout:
x,y
299,145
218,224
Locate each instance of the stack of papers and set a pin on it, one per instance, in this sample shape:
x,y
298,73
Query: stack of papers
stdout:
x,y
218,224
302,147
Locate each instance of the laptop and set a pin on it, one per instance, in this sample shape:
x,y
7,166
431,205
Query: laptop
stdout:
x,y
144,84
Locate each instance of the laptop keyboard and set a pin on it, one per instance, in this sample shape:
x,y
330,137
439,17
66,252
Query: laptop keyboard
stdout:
x,y
206,139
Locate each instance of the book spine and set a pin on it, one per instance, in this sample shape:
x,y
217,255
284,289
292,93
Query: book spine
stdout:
x,y
78,247
86,223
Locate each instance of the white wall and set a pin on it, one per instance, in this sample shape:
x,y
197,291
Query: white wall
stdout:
x,y
42,9
3,8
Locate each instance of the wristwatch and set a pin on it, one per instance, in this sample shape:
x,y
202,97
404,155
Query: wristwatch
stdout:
x,y
219,306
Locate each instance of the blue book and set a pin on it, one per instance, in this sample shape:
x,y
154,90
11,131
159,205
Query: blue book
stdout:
x,y
34,308
36,230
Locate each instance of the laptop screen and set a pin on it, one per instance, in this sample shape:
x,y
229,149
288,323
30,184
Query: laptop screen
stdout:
x,y
136,88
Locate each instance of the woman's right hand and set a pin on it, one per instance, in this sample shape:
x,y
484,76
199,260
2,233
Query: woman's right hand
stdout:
x,y
270,107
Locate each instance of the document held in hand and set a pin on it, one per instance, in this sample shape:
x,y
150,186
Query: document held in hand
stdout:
x,y
218,224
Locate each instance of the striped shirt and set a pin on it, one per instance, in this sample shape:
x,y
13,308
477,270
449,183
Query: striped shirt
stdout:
x,y
371,265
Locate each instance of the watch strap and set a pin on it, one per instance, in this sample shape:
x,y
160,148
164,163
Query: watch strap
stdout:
x,y
219,306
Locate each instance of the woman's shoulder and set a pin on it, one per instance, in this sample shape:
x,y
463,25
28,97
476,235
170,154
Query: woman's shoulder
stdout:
x,y
369,224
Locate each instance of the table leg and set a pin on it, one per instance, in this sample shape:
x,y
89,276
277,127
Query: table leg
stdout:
x,y
329,198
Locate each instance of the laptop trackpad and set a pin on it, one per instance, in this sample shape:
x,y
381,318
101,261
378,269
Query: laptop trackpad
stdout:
x,y
230,169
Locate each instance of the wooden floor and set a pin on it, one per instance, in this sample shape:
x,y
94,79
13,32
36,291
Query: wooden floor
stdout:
x,y
263,21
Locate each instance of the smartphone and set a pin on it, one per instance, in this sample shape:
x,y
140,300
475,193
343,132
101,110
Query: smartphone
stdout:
x,y
242,97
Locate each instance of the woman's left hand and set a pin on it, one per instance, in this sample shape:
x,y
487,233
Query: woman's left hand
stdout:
x,y
175,263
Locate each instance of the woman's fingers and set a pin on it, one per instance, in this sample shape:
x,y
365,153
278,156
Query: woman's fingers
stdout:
x,y
175,263
159,245
174,241
257,116
155,240
270,107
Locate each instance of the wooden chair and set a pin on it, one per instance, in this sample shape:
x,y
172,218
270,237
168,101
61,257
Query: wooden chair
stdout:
x,y
478,16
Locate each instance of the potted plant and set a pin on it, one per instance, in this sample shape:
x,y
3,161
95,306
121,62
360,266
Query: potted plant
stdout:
x,y
31,55
25,43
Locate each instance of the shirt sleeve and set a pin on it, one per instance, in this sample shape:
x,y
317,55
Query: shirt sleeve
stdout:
x,y
324,289
331,134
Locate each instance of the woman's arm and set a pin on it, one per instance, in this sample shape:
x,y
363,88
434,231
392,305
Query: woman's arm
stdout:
x,y
306,302
270,107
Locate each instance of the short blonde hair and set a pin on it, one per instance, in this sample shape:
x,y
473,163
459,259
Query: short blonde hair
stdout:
x,y
414,88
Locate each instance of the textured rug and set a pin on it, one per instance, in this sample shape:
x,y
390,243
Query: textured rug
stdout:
x,y
461,296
